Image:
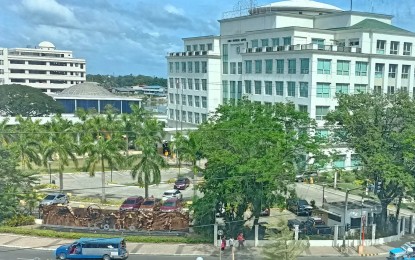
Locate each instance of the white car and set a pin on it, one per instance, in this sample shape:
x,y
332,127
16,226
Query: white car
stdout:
x,y
172,194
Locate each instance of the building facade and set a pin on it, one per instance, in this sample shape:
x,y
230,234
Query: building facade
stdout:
x,y
42,67
298,51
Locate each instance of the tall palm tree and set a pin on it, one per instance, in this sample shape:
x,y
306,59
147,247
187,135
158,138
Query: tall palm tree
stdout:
x,y
4,132
60,143
146,167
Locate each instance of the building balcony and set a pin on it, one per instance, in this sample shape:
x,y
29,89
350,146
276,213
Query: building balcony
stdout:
x,y
300,47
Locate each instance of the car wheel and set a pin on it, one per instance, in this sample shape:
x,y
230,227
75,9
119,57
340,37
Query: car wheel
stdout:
x,y
106,257
62,256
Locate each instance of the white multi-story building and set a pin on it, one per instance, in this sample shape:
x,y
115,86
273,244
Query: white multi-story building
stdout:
x,y
298,51
43,67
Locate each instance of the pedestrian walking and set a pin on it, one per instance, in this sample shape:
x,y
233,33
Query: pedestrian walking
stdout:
x,y
231,242
223,244
241,240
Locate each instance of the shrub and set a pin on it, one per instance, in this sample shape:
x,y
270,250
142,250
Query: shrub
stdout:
x,y
19,220
348,177
171,180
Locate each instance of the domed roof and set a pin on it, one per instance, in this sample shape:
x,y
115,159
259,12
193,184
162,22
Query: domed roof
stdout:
x,y
46,45
299,5
86,89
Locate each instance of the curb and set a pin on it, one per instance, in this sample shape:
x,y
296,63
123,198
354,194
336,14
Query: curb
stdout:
x,y
374,254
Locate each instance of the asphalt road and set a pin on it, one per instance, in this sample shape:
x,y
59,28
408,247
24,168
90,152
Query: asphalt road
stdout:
x,y
27,254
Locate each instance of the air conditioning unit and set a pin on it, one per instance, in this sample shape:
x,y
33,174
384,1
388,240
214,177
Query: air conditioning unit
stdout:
x,y
268,49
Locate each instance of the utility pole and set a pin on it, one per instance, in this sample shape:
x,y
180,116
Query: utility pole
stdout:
x,y
346,201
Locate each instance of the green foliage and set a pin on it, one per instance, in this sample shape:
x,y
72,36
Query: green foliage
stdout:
x,y
282,245
109,81
19,220
253,152
26,101
380,128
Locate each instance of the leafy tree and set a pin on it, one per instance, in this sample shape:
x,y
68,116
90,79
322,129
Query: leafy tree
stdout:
x,y
251,151
146,167
380,129
15,185
26,101
283,246
60,145
5,136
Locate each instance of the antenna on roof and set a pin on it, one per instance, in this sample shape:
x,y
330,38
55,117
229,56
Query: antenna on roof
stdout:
x,y
351,5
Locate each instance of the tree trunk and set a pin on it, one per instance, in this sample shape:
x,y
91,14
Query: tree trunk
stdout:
x,y
398,206
383,221
103,181
60,180
146,183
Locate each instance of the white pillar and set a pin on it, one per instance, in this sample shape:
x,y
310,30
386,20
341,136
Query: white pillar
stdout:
x,y
215,234
256,236
336,235
398,227
411,224
373,234
403,219
296,229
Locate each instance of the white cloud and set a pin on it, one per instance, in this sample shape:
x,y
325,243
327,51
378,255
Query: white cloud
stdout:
x,y
173,10
49,11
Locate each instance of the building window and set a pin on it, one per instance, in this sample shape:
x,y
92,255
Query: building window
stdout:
x,y
319,42
292,64
210,47
323,90
268,88
322,134
254,43
280,66
391,90
197,118
339,162
407,48
190,83
404,89
257,87
195,47
183,81
303,89
197,84
321,112
225,52
204,84
177,66
225,91
291,88
177,115
264,42
239,91
303,108
323,66
248,87
342,88
239,67
392,70
177,98
171,98
225,67
361,68
258,66
286,41
204,102
233,67
190,117
379,67
190,100
204,118
268,66
171,83
171,113
377,89
405,71
183,67
248,66
197,101
355,161
197,67
305,66
279,88
343,67
380,47
354,42
360,88
170,66
184,100
184,116
202,47
394,47
275,42
232,90
204,67
189,66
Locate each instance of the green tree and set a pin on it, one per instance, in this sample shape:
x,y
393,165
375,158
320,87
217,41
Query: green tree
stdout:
x,y
60,144
5,135
26,101
251,151
146,166
380,129
282,244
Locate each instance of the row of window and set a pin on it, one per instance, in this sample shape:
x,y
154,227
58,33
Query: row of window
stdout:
x,y
187,100
392,70
12,80
270,42
44,63
189,83
394,47
45,72
199,47
188,67
187,116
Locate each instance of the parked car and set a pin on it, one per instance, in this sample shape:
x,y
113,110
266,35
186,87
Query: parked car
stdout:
x,y
311,226
305,176
299,207
400,253
170,205
53,199
181,183
150,204
132,203
172,194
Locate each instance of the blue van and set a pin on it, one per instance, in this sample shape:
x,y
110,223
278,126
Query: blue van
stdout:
x,y
93,248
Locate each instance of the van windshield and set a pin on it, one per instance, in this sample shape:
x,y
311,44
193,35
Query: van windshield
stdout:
x,y
50,197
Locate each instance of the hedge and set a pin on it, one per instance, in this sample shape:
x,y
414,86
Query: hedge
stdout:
x,y
77,235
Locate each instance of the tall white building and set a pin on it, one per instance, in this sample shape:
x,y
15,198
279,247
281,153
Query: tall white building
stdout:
x,y
297,50
42,67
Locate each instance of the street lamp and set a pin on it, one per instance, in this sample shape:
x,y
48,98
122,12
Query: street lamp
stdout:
x,y
50,171
345,213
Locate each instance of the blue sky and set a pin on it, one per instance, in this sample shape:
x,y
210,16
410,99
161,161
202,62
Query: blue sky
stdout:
x,y
133,36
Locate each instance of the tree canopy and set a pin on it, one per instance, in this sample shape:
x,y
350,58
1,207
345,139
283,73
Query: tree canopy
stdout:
x,y
26,101
380,129
253,152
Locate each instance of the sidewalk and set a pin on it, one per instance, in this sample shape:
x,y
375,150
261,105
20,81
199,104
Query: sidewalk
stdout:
x,y
50,244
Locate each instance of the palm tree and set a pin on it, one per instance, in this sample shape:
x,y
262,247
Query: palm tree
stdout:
x,y
4,134
60,143
146,167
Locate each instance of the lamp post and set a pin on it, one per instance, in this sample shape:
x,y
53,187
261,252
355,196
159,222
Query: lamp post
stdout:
x,y
346,200
324,186
50,171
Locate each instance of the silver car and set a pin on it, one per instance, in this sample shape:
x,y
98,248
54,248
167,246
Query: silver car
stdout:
x,y
55,198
